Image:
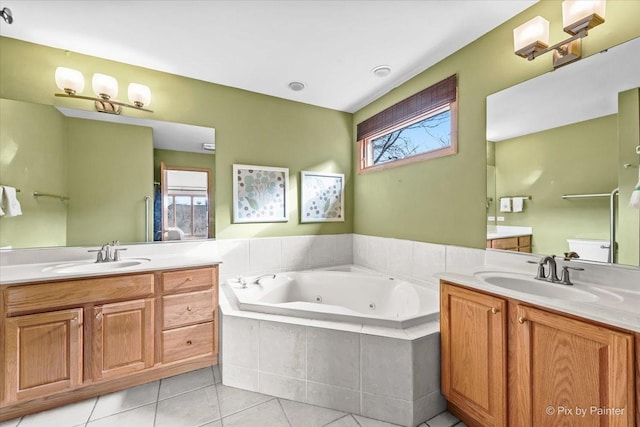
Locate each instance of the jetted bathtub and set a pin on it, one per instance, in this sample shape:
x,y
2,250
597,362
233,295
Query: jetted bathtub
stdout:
x,y
347,293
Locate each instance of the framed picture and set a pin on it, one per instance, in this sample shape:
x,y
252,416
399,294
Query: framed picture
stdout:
x,y
260,194
322,197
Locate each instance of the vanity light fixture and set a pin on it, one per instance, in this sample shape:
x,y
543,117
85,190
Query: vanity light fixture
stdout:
x,y
531,39
106,89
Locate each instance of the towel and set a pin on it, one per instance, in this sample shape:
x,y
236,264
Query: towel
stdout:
x,y
10,202
505,204
635,195
518,203
1,193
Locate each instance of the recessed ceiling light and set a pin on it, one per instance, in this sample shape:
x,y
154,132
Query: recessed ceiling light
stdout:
x,y
296,86
381,70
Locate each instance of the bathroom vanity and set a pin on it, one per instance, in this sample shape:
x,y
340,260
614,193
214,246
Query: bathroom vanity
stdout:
x,y
65,340
507,362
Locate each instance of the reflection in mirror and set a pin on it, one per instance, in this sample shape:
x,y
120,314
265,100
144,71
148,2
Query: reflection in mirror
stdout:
x,y
562,141
103,165
185,206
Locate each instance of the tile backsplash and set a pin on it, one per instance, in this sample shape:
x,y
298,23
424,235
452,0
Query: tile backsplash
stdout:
x,y
406,259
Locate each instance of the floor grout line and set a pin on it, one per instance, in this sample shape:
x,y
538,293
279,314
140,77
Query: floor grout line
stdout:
x,y
284,412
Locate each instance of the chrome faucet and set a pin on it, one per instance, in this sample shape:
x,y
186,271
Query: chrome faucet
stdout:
x,y
104,253
256,281
552,275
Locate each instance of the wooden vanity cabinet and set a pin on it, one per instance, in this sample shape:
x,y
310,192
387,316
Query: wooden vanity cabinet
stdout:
x,y
189,305
554,364
43,354
69,340
122,338
474,368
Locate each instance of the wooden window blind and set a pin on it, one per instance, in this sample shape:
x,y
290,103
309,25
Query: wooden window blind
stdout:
x,y
441,93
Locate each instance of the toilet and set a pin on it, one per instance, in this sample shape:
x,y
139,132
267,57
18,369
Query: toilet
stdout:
x,y
590,249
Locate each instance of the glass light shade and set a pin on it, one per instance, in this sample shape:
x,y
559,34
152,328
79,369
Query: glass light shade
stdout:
x,y
104,85
575,10
69,80
535,31
139,95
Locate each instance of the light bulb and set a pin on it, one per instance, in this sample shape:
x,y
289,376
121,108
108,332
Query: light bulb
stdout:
x,y
69,80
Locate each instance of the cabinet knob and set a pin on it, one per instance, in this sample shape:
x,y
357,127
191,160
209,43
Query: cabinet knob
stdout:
x,y
188,308
189,342
521,320
188,279
494,310
98,315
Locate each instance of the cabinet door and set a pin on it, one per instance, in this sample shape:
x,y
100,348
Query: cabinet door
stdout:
x,y
570,372
43,354
473,333
122,338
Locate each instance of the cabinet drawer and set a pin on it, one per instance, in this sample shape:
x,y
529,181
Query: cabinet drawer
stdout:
x,y
190,341
23,298
187,280
524,241
186,309
506,243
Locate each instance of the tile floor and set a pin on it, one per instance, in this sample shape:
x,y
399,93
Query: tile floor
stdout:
x,y
196,399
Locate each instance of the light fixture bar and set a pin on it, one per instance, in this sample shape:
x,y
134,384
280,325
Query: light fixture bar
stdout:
x,y
534,54
104,101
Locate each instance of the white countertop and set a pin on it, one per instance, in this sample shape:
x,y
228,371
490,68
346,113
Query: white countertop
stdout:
x,y
504,231
622,311
36,265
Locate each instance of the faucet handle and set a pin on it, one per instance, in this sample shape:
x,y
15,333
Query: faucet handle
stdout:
x,y
541,273
564,278
100,257
116,253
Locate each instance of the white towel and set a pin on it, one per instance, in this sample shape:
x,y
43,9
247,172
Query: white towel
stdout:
x,y
10,202
505,204
518,203
1,193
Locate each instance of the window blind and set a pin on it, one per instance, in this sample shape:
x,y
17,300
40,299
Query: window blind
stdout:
x,y
441,93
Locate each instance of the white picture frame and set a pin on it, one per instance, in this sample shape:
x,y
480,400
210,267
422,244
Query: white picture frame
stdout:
x,y
321,197
260,194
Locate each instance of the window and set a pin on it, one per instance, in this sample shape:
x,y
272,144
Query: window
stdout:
x,y
418,128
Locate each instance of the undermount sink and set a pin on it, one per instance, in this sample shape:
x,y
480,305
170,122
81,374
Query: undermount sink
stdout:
x,y
93,267
529,285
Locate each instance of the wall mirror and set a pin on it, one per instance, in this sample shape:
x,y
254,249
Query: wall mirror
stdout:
x,y
96,176
562,160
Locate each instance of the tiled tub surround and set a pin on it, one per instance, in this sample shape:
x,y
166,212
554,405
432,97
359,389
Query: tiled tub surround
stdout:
x,y
382,373
346,293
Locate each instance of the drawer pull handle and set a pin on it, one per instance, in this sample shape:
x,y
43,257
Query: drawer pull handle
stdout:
x,y
521,320
188,279
494,310
188,308
189,342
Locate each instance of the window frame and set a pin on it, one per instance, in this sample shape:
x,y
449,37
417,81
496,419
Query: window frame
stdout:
x,y
365,150
191,233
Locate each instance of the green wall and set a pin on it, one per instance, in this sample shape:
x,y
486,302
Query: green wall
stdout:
x,y
542,165
250,128
628,235
32,158
109,170
184,159
443,200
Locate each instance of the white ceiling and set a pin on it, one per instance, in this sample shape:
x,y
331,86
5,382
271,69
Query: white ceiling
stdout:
x,y
261,46
584,90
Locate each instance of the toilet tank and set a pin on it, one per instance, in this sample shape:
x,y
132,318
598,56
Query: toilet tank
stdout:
x,y
590,249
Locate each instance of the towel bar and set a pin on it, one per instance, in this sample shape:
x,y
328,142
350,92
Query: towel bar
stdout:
x,y
55,196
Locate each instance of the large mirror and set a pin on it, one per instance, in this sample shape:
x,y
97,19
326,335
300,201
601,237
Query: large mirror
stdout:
x,y
86,178
562,160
